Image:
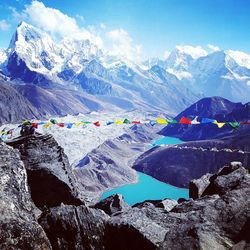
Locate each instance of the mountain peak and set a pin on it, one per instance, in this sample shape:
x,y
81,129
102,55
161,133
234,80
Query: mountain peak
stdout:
x,y
194,52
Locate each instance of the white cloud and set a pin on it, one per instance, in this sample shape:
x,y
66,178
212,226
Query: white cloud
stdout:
x,y
54,22
212,47
116,42
50,20
121,45
4,26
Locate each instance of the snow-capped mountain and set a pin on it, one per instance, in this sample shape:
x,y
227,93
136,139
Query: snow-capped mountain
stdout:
x,y
220,73
77,64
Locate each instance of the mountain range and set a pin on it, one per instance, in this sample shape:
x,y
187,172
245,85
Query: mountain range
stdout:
x,y
74,75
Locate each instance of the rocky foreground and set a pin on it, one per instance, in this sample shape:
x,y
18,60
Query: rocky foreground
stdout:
x,y
41,207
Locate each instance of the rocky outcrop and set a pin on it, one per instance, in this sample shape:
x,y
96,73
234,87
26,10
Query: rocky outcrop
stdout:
x,y
74,227
49,174
18,225
219,220
112,204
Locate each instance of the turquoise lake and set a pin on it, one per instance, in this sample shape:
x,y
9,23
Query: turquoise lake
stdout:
x,y
148,188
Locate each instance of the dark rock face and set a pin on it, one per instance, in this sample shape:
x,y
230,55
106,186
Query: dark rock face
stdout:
x,y
180,164
216,108
112,204
18,226
49,174
71,227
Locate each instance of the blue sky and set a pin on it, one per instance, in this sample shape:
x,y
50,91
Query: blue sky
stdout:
x,y
156,25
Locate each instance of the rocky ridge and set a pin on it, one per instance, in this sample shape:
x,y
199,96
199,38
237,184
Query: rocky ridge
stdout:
x,y
215,217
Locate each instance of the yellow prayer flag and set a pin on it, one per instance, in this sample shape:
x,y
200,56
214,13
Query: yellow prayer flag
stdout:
x,y
118,122
219,124
78,123
47,125
161,121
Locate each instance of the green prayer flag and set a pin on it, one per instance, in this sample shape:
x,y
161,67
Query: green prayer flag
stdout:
x,y
172,121
234,125
126,121
53,121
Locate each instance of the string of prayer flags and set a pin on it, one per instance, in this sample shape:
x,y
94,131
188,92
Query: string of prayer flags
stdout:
x,y
184,120
160,121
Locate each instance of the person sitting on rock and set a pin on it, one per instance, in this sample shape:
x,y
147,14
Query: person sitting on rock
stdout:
x,y
27,128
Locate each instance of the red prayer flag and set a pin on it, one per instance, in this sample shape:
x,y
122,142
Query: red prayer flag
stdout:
x,y
34,125
60,124
97,123
245,123
184,120
136,122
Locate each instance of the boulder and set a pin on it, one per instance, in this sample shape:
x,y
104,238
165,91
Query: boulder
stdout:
x,y
112,204
197,187
166,204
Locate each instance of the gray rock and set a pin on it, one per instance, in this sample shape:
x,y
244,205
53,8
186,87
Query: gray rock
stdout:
x,y
112,204
222,183
218,221
166,204
197,187
18,226
74,227
49,175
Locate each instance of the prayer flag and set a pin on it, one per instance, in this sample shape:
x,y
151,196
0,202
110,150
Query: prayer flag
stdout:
x,y
97,123
161,121
184,120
